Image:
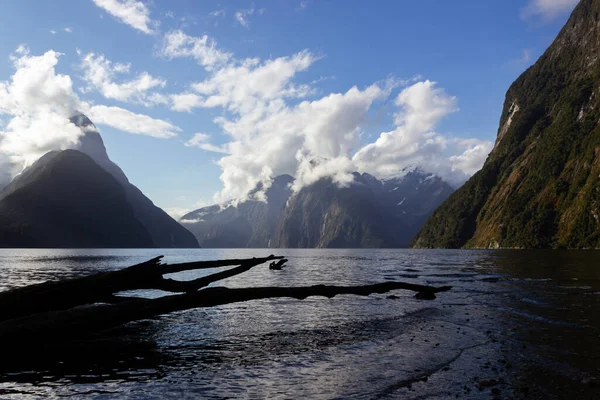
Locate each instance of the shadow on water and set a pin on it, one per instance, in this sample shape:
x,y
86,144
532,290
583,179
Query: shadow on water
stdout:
x,y
553,323
124,353
130,354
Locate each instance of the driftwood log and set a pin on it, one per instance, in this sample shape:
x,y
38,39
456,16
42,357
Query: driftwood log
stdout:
x,y
74,308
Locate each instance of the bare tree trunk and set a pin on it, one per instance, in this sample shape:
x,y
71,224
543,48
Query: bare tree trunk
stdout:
x,y
101,287
70,309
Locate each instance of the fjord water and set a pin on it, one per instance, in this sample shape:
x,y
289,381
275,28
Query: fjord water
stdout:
x,y
516,324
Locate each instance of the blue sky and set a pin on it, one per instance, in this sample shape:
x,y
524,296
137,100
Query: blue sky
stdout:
x,y
267,85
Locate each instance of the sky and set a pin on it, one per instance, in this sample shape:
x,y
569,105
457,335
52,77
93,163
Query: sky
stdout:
x,y
197,101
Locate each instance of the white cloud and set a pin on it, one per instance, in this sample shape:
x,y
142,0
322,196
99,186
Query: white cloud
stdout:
x,y
198,138
239,86
35,86
22,141
218,13
303,5
248,85
288,139
157,99
100,74
131,12
547,9
38,102
128,121
242,16
52,31
271,135
423,105
525,56
68,30
310,170
414,141
201,141
177,44
471,160
321,138
185,101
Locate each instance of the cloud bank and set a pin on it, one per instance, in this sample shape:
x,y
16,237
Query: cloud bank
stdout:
x,y
36,104
270,121
414,141
274,125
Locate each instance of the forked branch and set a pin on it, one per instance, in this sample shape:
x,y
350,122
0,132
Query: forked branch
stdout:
x,y
83,321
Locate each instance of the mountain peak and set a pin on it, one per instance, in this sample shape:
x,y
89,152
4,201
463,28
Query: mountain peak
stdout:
x,y
41,208
164,231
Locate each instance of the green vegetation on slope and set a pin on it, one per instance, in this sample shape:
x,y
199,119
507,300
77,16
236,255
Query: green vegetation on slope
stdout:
x,y
540,186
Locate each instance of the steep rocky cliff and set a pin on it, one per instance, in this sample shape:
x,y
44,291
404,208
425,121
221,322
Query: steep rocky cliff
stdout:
x,y
368,213
540,186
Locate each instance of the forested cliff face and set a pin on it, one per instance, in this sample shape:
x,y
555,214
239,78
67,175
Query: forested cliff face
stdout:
x,y
540,186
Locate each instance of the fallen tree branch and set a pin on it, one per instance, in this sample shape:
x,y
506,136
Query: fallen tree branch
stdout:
x,y
174,268
277,266
171,285
81,321
63,295
75,308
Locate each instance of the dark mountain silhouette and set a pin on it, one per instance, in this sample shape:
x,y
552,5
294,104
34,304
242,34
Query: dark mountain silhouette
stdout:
x,y
64,200
165,231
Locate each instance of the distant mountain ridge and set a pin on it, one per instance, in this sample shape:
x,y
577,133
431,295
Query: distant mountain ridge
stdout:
x,y
540,186
368,213
251,223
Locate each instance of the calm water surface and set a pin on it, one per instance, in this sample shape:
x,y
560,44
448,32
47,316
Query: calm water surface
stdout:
x,y
517,324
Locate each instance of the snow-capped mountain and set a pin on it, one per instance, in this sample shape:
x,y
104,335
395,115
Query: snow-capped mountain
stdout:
x,y
368,213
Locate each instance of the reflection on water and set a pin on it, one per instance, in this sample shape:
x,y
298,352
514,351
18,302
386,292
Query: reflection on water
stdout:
x,y
517,324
